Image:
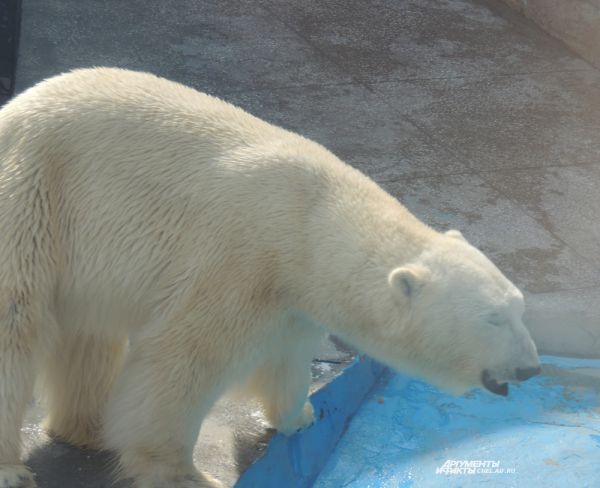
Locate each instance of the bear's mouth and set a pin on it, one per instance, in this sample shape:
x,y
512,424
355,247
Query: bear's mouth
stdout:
x,y
491,384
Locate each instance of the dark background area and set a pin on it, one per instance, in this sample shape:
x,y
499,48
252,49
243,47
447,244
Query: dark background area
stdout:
x,y
10,22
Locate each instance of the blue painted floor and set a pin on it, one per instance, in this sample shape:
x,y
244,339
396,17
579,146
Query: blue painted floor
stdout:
x,y
409,434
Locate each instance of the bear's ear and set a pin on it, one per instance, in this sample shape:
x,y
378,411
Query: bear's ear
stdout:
x,y
455,233
409,279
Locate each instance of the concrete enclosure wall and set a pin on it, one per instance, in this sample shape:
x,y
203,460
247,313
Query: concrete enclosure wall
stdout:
x,y
575,22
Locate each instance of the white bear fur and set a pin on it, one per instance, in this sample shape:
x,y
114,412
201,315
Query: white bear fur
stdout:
x,y
135,209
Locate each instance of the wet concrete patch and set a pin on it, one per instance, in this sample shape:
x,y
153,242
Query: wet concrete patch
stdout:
x,y
385,40
212,46
359,127
521,247
565,200
507,123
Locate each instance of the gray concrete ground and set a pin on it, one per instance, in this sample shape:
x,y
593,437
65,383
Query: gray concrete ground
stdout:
x,y
468,113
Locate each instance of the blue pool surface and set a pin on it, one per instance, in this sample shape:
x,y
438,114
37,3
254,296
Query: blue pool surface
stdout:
x,y
409,434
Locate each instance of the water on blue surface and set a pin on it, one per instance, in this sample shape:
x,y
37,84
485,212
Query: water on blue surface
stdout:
x,y
408,434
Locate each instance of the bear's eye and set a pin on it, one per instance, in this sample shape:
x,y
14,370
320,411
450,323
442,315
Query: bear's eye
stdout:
x,y
496,320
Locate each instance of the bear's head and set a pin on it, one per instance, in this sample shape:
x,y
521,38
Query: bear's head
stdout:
x,y
462,320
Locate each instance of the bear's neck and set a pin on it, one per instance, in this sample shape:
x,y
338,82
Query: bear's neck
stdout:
x,y
357,237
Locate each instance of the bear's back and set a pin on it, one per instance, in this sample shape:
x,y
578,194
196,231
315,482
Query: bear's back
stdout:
x,y
142,174
113,101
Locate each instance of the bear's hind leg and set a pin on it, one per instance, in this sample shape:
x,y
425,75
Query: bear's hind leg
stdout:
x,y
77,380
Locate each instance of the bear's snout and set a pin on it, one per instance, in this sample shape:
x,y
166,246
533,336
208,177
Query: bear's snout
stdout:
x,y
523,374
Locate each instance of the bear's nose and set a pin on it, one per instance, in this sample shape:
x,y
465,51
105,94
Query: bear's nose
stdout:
x,y
526,373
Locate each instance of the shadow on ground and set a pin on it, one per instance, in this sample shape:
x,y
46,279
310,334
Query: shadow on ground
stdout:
x,y
60,465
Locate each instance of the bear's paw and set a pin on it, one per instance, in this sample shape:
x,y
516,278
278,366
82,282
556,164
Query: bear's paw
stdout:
x,y
301,422
16,476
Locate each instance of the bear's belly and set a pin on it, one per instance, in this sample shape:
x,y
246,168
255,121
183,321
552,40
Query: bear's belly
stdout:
x,y
91,310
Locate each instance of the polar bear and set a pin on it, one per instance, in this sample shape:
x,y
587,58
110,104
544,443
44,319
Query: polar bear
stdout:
x,y
158,245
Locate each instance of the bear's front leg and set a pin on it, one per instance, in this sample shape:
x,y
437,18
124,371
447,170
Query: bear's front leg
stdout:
x,y
282,388
282,382
168,384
